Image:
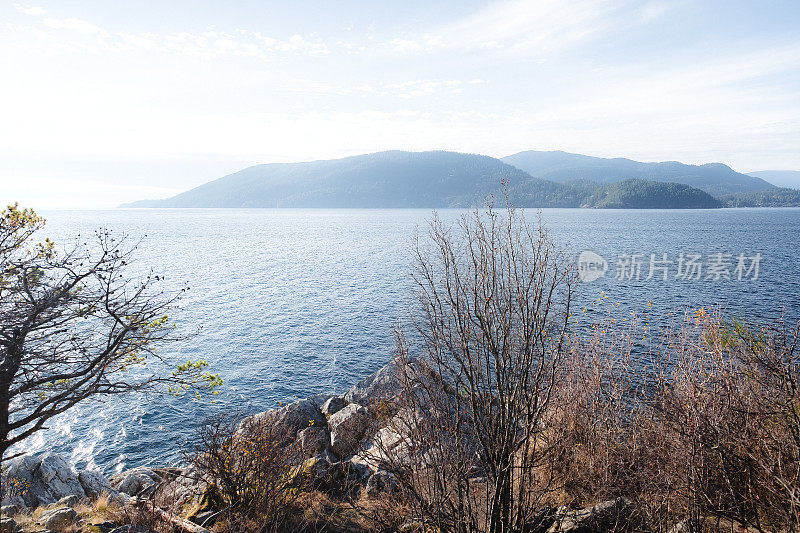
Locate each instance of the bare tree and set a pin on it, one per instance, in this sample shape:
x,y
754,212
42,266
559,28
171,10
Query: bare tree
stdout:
x,y
74,325
494,297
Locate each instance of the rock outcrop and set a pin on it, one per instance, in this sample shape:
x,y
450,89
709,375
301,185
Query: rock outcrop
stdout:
x,y
384,384
287,421
332,405
41,480
313,440
347,428
135,480
94,483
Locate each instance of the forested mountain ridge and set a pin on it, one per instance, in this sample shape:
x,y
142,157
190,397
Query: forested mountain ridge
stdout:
x,y
714,178
440,179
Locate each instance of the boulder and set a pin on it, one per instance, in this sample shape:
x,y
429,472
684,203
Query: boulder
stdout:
x,y
10,510
313,440
18,479
41,480
58,477
319,399
381,482
94,483
285,422
68,501
388,442
384,384
8,525
358,472
13,500
324,473
58,519
605,516
135,480
347,429
187,486
332,405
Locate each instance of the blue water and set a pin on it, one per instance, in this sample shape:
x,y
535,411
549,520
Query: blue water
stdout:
x,y
295,302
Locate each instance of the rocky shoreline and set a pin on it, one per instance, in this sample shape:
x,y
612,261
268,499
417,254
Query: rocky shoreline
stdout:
x,y
340,438
329,430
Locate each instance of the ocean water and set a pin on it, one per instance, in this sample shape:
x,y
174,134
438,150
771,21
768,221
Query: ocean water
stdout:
x,y
289,303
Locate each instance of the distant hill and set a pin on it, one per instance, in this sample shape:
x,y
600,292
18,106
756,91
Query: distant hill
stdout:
x,y
384,179
780,178
713,178
775,197
642,194
422,179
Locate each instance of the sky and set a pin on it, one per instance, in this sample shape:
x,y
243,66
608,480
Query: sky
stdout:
x,y
108,102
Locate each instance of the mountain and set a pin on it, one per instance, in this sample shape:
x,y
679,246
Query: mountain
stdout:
x,y
713,178
422,179
780,178
383,179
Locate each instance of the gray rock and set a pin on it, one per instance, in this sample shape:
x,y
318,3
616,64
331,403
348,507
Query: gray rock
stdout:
x,y
319,399
605,516
135,480
358,471
313,440
94,483
13,500
347,429
58,477
58,519
285,422
388,444
7,525
684,526
188,485
381,482
332,405
10,510
18,479
68,501
384,384
46,479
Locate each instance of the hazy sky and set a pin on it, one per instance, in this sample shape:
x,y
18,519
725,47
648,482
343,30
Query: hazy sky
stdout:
x,y
104,102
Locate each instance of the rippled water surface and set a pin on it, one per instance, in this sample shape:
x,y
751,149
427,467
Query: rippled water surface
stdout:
x,y
294,302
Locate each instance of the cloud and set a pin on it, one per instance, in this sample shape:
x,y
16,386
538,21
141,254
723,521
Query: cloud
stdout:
x,y
77,25
33,10
205,44
531,28
404,89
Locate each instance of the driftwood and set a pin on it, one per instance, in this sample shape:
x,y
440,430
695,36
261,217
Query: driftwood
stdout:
x,y
181,524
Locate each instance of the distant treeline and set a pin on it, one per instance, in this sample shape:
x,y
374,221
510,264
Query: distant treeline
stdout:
x,y
778,197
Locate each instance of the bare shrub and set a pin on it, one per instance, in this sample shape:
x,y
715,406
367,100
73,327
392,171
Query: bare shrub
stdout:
x,y
247,461
730,407
494,295
700,428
